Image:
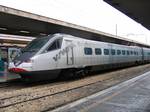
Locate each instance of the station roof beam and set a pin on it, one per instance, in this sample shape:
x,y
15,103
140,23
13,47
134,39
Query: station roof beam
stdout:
x,y
16,22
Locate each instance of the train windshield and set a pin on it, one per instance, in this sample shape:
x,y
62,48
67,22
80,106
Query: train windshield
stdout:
x,y
36,44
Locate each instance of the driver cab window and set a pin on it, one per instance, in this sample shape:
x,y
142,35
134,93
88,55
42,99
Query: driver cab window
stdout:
x,y
55,45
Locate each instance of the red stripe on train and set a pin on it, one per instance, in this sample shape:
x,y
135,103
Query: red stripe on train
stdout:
x,y
17,70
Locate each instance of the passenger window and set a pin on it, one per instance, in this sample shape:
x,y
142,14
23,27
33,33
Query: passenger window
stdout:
x,y
131,52
123,52
88,51
98,51
106,51
113,52
128,53
134,52
59,42
118,52
55,45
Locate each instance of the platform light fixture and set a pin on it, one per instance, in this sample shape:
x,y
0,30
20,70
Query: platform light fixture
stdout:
x,y
9,44
16,37
43,34
3,28
23,31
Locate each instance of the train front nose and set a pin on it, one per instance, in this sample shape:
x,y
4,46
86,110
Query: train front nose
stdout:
x,y
20,68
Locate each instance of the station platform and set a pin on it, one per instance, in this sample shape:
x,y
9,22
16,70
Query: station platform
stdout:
x,y
130,96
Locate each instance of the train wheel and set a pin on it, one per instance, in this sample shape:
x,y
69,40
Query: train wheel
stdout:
x,y
86,71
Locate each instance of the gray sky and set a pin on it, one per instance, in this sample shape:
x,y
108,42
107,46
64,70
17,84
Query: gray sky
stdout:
x,y
94,14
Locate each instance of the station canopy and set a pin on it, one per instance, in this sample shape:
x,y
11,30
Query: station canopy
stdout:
x,y
14,40
135,9
17,22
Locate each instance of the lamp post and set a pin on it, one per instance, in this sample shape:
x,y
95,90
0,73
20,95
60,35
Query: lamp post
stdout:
x,y
116,30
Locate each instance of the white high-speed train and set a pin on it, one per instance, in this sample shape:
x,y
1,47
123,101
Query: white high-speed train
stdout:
x,y
49,56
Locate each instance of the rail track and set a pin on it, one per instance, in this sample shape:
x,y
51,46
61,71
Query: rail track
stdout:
x,y
19,85
51,95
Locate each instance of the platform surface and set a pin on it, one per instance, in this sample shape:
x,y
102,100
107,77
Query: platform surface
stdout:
x,y
130,96
6,76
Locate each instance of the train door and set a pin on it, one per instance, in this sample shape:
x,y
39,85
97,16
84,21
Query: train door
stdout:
x,y
142,54
69,52
110,55
12,53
